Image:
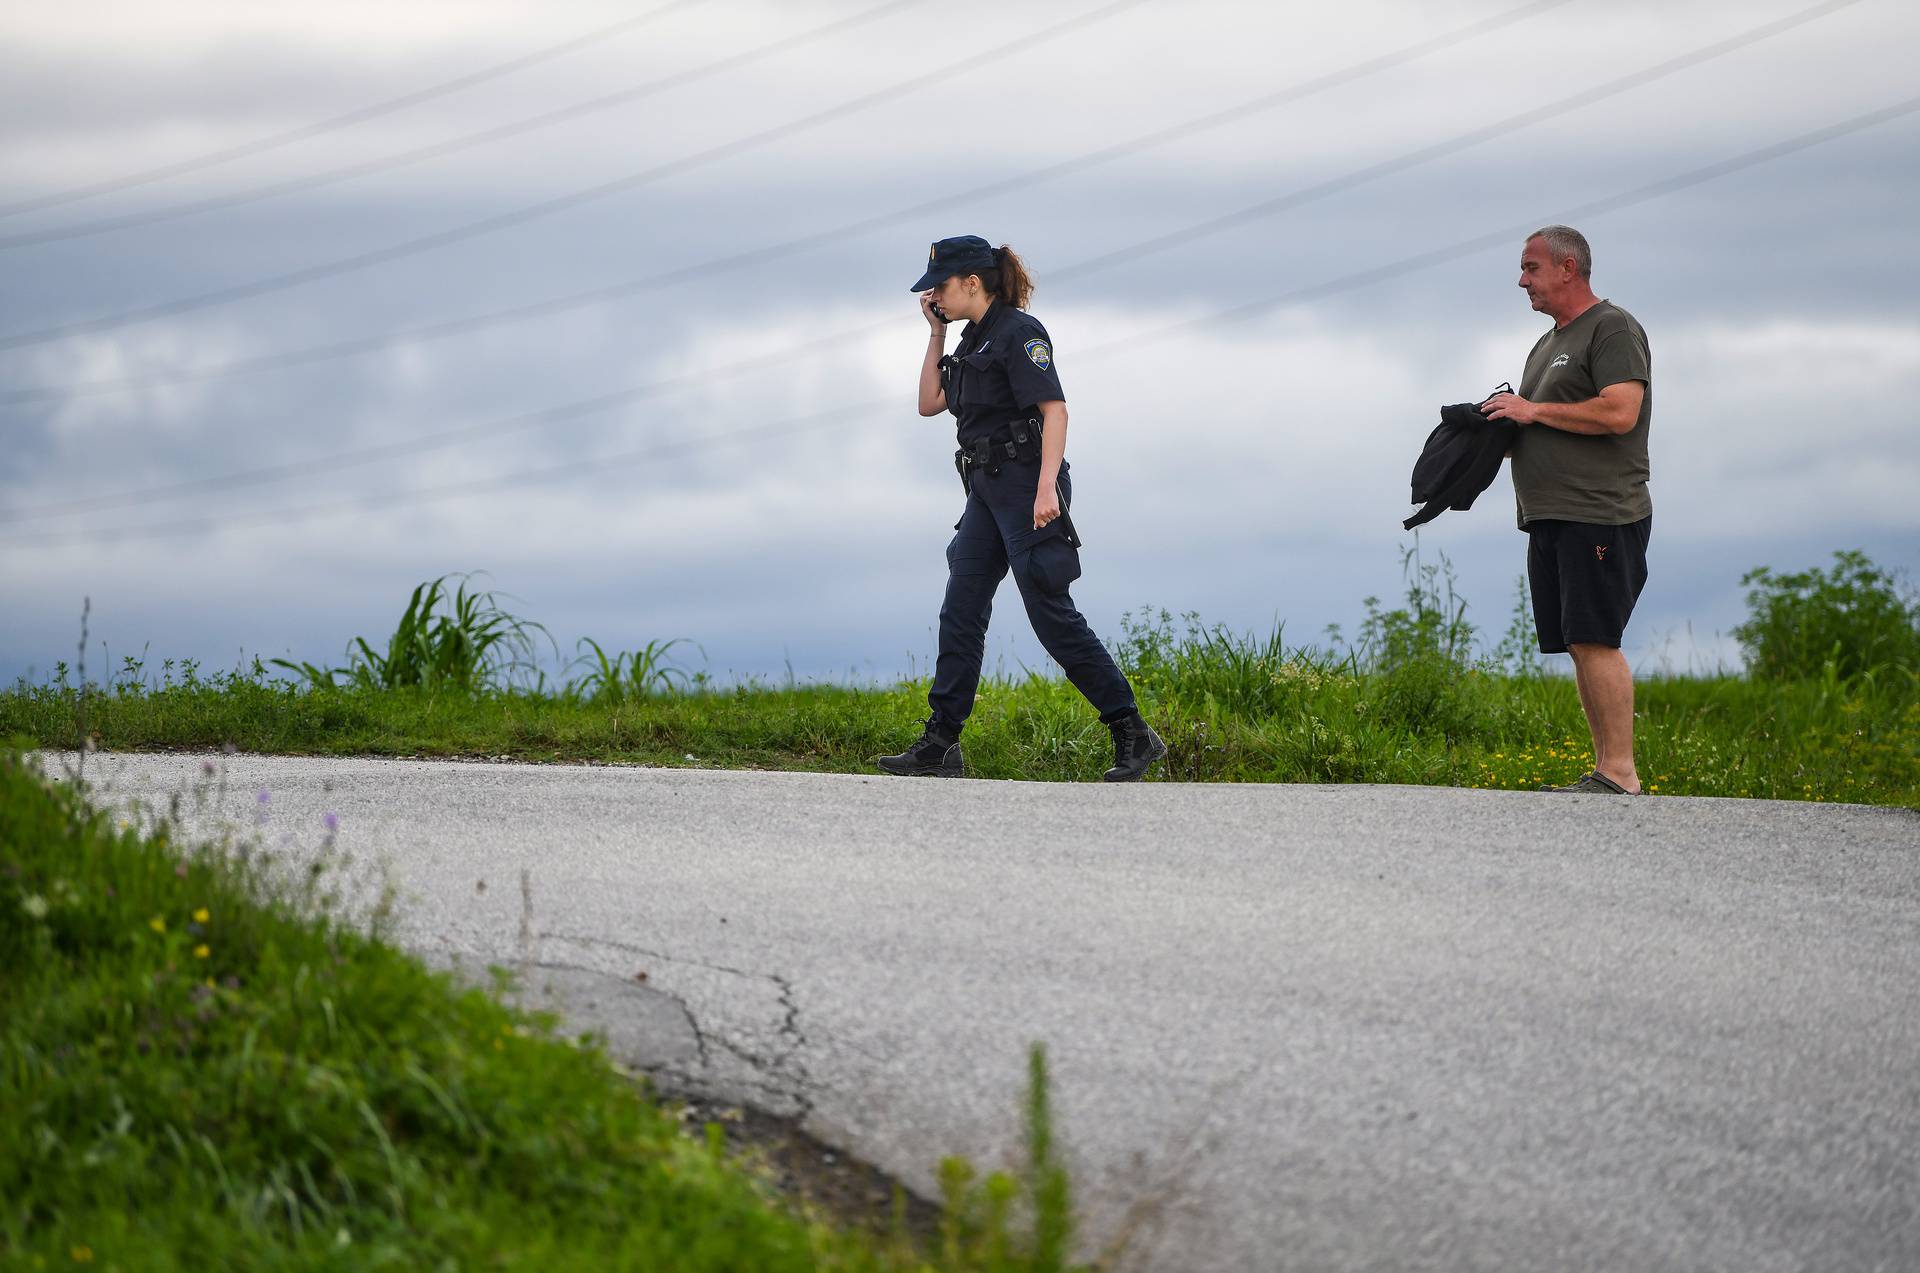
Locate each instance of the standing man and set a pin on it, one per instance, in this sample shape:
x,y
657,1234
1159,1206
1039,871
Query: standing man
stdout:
x,y
1580,479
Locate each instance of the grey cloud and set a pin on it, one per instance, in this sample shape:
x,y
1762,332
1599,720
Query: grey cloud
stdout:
x,y
838,576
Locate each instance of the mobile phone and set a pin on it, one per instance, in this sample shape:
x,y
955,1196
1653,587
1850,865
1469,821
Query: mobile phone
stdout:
x,y
941,314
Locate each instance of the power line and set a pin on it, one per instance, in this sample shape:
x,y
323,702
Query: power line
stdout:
x,y
572,468
601,295
573,199
1506,236
515,423
454,145
1510,235
1453,145
261,145
414,446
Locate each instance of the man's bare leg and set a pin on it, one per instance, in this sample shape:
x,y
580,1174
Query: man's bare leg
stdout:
x,y
1586,705
1606,693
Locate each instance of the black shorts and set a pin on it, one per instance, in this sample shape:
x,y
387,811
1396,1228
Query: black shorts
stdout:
x,y
1585,579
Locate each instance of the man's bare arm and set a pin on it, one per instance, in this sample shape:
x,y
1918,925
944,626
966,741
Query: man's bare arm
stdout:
x,y
1614,412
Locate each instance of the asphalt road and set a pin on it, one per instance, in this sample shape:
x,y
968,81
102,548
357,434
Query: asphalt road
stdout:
x,y
1291,1027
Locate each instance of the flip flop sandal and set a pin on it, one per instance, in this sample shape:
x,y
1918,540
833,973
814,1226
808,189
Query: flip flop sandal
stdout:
x,y
1596,784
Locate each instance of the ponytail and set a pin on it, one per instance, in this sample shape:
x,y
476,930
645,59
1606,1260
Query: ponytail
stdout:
x,y
1008,280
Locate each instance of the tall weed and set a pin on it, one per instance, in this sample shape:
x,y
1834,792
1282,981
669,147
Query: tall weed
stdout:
x,y
1431,628
455,640
630,674
1418,656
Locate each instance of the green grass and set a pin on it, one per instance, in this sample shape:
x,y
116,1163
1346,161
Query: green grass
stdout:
x,y
1232,710
1831,713
201,1069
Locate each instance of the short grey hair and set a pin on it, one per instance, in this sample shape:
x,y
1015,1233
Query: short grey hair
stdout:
x,y
1564,241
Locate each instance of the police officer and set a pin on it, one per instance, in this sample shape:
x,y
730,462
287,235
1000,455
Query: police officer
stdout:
x,y
1001,384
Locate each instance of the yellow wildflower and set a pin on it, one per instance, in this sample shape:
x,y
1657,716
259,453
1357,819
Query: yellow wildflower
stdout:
x,y
157,924
82,1254
202,915
202,951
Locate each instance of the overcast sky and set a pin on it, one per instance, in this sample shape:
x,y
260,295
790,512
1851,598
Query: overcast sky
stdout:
x,y
1246,461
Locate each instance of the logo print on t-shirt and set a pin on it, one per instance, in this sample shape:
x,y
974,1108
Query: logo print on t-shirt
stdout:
x,y
1599,552
1560,361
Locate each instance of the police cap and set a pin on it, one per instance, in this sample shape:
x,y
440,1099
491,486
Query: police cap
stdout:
x,y
963,254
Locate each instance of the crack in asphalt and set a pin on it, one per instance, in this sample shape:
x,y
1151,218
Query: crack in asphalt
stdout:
x,y
785,1073
633,949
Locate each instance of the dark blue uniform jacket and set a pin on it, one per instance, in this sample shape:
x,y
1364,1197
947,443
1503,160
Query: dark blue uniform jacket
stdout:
x,y
1001,369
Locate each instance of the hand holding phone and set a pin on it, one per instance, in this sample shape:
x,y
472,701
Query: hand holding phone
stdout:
x,y
936,317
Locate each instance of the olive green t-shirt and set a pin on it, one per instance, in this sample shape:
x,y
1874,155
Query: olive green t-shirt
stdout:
x,y
1600,479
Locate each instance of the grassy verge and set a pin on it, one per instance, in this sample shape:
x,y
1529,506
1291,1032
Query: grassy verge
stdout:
x,y
1230,712
200,1070
1831,710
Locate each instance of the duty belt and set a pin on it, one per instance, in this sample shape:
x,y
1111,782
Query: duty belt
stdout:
x,y
1017,440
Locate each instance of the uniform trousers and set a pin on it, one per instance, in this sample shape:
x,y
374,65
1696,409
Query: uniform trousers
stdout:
x,y
994,535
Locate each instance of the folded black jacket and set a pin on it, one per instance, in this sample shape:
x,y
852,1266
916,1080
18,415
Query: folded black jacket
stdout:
x,y
1460,460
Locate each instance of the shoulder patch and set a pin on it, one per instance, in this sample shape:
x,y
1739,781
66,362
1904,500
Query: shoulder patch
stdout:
x,y
1039,354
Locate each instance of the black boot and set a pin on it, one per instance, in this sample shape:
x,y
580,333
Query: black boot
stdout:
x,y
1135,748
936,755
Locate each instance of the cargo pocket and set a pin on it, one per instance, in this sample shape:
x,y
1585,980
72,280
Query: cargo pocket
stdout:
x,y
965,558
1051,562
